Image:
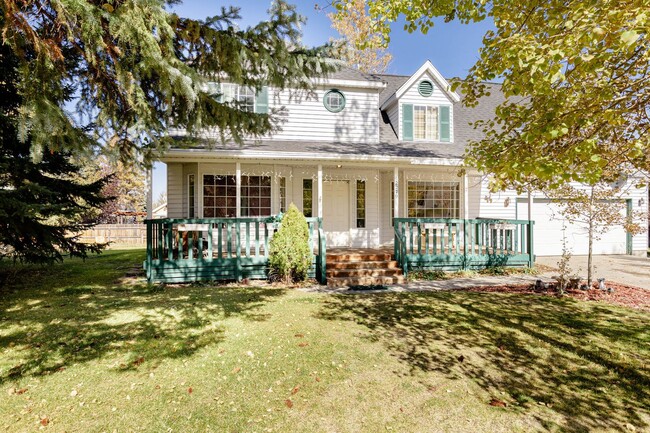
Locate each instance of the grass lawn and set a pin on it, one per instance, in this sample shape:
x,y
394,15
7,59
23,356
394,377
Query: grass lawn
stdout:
x,y
83,350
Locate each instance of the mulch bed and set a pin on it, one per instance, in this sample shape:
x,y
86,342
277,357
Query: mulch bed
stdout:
x,y
627,296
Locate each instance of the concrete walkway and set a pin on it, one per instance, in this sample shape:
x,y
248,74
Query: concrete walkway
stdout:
x,y
429,286
630,270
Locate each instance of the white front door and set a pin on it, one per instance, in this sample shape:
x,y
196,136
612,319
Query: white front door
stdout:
x,y
336,213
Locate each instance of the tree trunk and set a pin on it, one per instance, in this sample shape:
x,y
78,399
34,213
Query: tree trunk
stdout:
x,y
591,243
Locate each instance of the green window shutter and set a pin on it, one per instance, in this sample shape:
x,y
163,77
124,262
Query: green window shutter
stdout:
x,y
262,101
407,122
444,124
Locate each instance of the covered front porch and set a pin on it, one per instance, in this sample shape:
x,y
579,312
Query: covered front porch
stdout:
x,y
223,214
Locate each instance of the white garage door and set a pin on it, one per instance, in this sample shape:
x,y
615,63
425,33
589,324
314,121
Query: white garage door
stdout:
x,y
548,232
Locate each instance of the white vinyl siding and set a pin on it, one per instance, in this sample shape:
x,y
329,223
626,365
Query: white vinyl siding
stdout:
x,y
175,194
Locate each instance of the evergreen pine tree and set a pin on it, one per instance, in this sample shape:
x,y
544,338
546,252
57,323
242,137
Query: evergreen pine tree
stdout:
x,y
42,202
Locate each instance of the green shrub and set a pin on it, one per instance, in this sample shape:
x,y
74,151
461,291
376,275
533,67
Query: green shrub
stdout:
x,y
289,254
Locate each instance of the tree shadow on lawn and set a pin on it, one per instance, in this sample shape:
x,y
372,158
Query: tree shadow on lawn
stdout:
x,y
586,363
45,328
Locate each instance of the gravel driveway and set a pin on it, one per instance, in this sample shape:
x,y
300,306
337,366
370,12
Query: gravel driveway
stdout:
x,y
630,270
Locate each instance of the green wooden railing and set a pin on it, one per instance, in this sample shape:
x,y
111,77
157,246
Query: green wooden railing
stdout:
x,y
186,250
448,244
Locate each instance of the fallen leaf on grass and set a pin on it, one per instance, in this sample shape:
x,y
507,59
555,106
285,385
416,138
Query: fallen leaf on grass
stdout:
x,y
295,390
497,403
303,344
461,358
138,361
317,379
21,391
73,393
236,369
299,335
189,390
288,403
45,421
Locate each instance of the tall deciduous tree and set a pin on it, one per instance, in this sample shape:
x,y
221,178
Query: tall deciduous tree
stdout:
x,y
576,76
362,45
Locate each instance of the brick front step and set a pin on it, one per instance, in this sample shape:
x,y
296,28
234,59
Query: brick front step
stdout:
x,y
363,272
363,265
358,257
364,281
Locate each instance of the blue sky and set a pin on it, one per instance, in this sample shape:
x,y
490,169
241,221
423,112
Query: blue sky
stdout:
x,y
451,47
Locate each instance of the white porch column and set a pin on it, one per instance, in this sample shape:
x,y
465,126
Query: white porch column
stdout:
x,y
320,191
530,206
396,192
238,186
465,196
149,183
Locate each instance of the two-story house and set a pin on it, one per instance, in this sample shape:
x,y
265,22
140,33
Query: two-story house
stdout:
x,y
359,151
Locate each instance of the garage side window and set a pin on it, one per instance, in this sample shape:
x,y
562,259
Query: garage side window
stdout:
x,y
433,199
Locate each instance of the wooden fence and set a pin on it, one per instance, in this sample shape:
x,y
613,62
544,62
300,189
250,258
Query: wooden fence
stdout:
x,y
122,234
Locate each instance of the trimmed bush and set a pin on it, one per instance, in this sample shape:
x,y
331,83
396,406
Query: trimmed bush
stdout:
x,y
289,254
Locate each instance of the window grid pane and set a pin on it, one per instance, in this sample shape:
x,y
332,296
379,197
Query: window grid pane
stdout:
x,y
219,196
361,204
247,98
307,196
433,199
255,196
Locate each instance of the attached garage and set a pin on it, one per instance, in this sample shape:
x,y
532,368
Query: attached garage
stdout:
x,y
549,224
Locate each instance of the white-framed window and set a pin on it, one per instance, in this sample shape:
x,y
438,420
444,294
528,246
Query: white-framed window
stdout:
x,y
255,196
235,92
361,204
220,196
334,100
392,204
191,194
282,187
307,197
425,122
433,199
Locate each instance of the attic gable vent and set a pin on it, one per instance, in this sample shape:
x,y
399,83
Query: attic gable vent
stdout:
x,y
425,88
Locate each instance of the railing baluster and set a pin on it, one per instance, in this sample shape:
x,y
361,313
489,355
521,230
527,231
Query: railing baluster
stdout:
x,y
220,240
419,238
228,240
190,245
257,238
411,236
426,241
248,239
170,242
210,227
266,239
159,249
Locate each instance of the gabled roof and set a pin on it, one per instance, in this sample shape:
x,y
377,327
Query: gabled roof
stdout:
x,y
426,67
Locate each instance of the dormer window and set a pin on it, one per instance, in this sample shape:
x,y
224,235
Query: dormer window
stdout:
x,y
334,101
425,123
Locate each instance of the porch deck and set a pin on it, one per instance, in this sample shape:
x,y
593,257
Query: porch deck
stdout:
x,y
186,250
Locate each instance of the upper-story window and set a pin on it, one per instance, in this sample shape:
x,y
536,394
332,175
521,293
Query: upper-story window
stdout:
x,y
334,100
425,123
246,96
